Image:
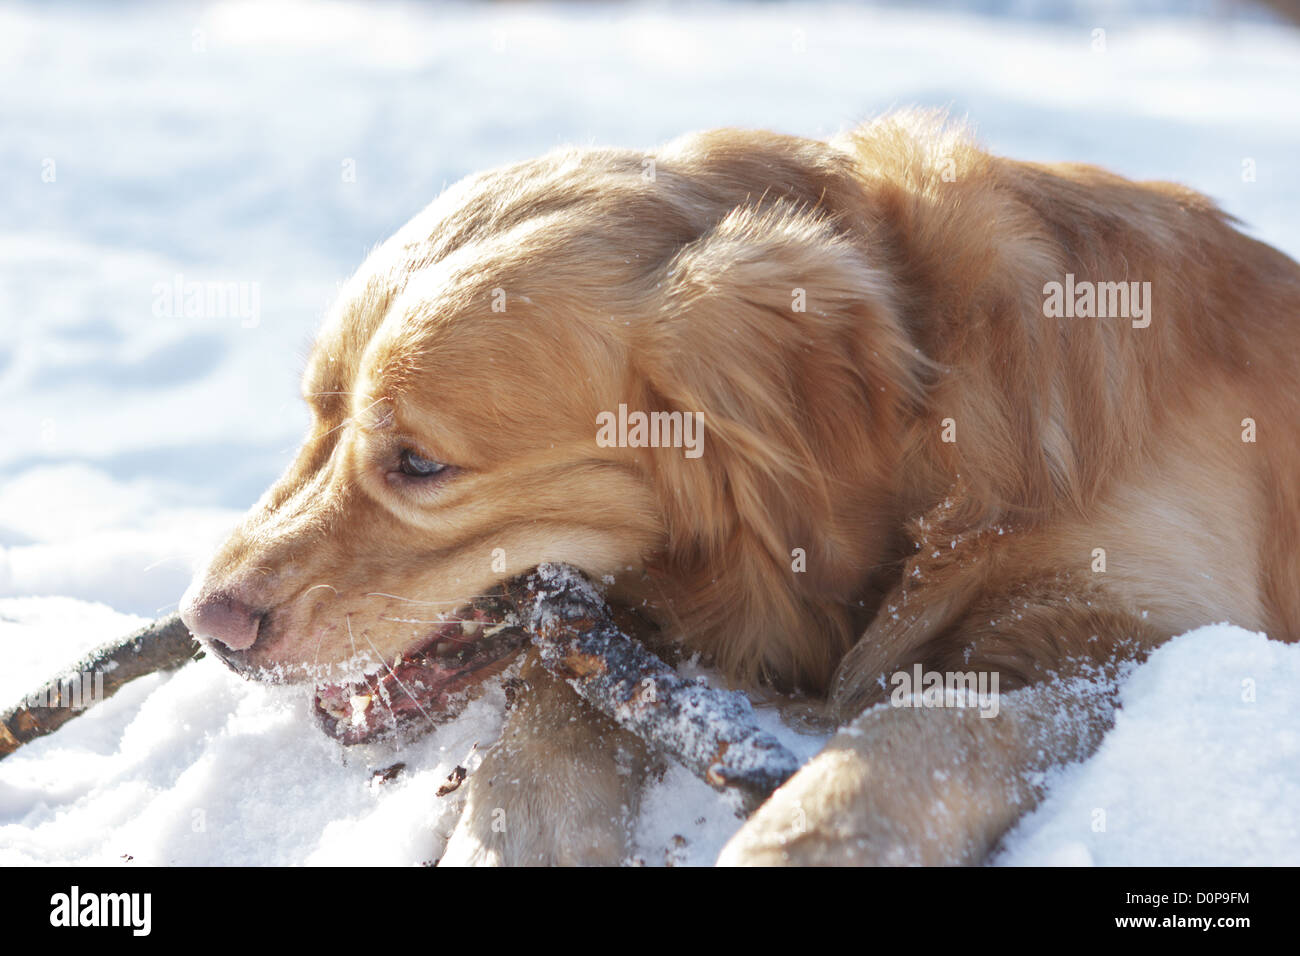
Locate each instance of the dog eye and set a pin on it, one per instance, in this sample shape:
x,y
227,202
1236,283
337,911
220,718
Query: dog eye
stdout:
x,y
417,467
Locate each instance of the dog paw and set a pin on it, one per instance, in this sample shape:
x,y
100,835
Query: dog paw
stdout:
x,y
804,823
897,787
504,825
560,787
472,844
522,811
840,809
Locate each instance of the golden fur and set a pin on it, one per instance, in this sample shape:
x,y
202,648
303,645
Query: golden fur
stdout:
x,y
667,281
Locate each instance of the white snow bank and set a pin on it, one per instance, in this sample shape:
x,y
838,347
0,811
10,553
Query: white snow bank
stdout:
x,y
1202,766
200,767
131,543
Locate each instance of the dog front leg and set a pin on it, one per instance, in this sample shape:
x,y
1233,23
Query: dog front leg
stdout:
x,y
560,788
900,786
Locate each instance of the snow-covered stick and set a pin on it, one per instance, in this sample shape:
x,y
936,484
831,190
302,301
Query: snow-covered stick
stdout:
x,y
162,645
711,731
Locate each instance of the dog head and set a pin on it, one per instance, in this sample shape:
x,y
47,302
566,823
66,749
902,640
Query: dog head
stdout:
x,y
679,371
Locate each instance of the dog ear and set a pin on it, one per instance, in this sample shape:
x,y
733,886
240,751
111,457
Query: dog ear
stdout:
x,y
776,330
773,327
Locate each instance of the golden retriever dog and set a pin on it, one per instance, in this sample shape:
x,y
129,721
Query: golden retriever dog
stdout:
x,y
957,414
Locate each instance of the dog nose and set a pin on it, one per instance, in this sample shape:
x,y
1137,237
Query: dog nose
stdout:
x,y
221,617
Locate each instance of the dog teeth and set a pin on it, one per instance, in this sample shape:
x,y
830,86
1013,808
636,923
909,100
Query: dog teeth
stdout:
x,y
470,628
444,648
360,704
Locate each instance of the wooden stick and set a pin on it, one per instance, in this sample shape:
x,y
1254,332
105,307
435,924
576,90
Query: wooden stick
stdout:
x,y
162,645
711,731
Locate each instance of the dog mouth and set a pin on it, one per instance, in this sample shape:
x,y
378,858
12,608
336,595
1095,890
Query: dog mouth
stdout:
x,y
426,684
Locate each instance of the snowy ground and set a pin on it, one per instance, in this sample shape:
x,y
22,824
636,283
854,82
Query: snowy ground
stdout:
x,y
272,145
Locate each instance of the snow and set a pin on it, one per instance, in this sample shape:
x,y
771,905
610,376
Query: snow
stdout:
x,y
1202,767
215,143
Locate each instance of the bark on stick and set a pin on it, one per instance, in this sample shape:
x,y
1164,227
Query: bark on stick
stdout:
x,y
162,645
711,731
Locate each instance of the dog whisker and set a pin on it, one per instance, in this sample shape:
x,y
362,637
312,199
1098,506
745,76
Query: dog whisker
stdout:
x,y
161,561
397,597
343,424
356,654
443,620
352,418
315,661
397,680
383,697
